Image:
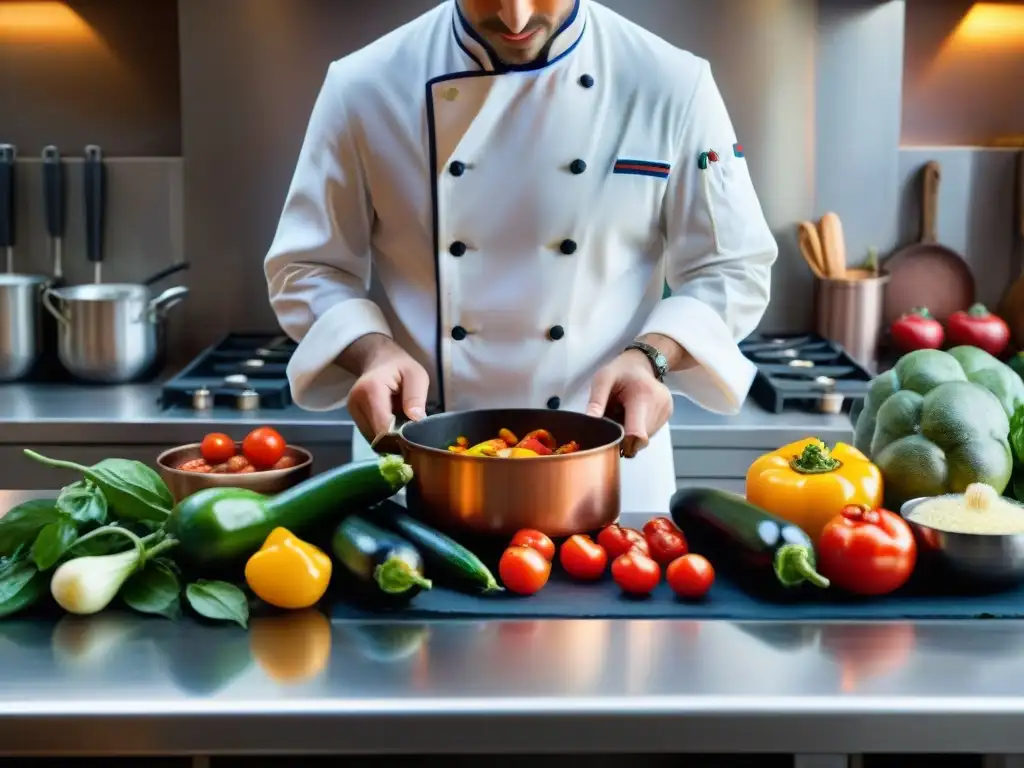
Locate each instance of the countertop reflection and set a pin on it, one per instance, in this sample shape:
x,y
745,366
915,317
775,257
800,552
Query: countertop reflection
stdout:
x,y
289,672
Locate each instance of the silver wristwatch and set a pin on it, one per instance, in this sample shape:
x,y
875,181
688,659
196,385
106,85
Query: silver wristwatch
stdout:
x,y
658,360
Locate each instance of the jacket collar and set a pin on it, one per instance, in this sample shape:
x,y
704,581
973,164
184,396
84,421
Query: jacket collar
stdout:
x,y
561,44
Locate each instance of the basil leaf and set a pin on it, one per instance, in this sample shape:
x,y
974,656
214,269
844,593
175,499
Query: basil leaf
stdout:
x,y
155,589
84,502
135,491
218,600
52,542
21,525
21,584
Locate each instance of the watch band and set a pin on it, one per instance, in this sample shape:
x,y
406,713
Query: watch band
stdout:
x,y
658,360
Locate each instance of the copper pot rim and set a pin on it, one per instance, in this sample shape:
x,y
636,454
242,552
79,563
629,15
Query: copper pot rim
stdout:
x,y
270,474
576,456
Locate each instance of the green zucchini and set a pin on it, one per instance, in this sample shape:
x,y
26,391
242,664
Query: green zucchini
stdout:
x,y
217,525
765,548
381,560
442,553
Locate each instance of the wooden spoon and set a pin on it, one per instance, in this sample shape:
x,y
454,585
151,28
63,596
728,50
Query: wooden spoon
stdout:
x,y
833,245
810,248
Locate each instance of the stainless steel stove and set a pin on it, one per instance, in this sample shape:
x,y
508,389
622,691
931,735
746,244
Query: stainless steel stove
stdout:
x,y
244,371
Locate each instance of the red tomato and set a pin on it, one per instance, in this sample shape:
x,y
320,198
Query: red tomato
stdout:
x,y
636,573
582,558
659,524
977,327
917,329
263,447
534,540
867,551
217,448
666,545
523,570
690,576
616,540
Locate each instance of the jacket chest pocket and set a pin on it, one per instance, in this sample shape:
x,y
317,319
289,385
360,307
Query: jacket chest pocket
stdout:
x,y
634,195
731,201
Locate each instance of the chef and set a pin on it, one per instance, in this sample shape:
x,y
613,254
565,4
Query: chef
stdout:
x,y
487,205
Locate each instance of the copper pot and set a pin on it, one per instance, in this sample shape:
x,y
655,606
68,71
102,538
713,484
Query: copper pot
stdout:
x,y
559,495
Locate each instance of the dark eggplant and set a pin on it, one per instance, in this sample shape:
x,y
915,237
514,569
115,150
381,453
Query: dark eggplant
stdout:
x,y
383,560
765,548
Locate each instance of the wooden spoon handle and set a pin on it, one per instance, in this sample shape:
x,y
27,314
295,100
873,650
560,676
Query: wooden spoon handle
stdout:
x,y
931,177
810,247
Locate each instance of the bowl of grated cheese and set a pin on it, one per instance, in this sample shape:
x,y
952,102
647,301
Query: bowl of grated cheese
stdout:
x,y
976,534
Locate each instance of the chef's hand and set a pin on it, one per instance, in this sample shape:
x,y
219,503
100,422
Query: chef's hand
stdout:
x,y
389,381
628,384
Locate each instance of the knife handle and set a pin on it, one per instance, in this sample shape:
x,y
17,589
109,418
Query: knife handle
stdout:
x,y
95,203
53,191
8,155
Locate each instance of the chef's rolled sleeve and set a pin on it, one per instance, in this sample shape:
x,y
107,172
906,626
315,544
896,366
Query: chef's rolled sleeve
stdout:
x,y
719,255
318,267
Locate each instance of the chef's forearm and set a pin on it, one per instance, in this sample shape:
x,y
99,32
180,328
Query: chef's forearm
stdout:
x,y
365,351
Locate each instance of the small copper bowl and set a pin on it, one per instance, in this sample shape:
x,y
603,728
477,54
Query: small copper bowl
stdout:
x,y
183,483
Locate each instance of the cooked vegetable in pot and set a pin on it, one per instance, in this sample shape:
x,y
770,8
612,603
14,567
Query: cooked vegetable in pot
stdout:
x,y
507,445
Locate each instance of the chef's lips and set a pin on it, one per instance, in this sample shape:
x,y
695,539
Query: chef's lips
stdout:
x,y
524,45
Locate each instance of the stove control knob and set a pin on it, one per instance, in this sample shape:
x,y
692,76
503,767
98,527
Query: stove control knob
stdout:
x,y
202,399
248,400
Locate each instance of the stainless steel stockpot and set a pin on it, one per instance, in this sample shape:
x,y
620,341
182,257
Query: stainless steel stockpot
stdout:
x,y
20,324
111,333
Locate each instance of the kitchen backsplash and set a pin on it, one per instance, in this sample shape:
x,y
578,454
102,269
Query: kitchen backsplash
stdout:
x,y
814,89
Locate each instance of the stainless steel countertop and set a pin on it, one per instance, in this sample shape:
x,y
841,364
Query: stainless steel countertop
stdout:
x,y
132,414
125,684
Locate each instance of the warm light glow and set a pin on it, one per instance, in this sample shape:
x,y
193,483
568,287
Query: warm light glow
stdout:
x,y
41,22
991,24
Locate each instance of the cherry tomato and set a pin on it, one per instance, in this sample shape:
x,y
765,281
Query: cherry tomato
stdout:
x,y
263,447
690,576
582,558
659,524
523,570
616,540
534,540
217,448
636,573
666,546
867,551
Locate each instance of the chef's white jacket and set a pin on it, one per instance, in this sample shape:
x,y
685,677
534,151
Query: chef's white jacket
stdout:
x,y
512,227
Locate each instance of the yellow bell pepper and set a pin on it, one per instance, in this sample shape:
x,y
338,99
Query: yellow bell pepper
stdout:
x,y
808,484
287,572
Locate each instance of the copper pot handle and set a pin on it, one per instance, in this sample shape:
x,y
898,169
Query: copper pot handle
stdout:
x,y
390,441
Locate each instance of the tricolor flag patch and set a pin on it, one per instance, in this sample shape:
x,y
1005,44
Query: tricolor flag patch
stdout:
x,y
737,149
642,168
